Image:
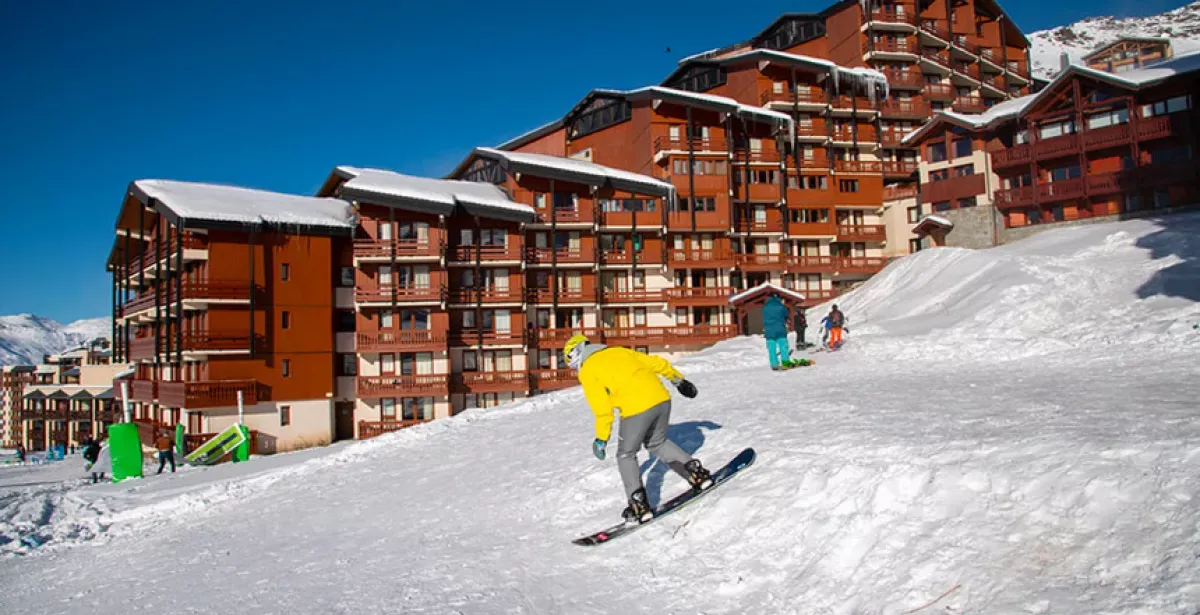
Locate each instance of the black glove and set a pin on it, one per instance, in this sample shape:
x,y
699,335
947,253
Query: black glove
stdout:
x,y
686,388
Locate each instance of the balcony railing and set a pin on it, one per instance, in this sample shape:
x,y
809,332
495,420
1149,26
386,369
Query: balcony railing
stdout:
x,y
564,215
932,27
857,166
627,257
199,290
1106,183
401,294
1060,190
371,429
810,264
472,337
1109,136
845,102
702,333
705,220
168,249
1023,196
483,382
750,224
961,42
680,144
952,188
969,104
760,261
1056,146
859,264
899,167
546,296
208,341
545,256
631,295
862,232
553,379
894,46
941,58
904,109
143,390
468,253
403,340
1011,156
403,248
402,386
512,294
1173,125
696,257
940,91
635,336
699,295
894,17
807,96
861,134
904,79
556,337
210,394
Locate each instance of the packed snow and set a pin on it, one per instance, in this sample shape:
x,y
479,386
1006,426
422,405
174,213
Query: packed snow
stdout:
x,y
1181,26
26,338
1006,431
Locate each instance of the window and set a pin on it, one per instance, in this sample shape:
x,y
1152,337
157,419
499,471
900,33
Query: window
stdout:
x,y
848,185
943,206
564,201
347,276
914,215
1169,155
965,170
387,409
285,272
1056,129
936,152
939,175
914,245
809,216
387,363
1112,117
1064,173
385,231
470,361
967,202
703,203
417,408
1033,215
346,321
962,147
539,200
385,319
285,416
347,365
285,319
1171,105
286,367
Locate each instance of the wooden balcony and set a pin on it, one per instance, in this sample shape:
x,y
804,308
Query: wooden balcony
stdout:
x,y
1164,126
855,265
578,214
848,103
705,220
960,41
760,262
1023,196
905,109
970,71
631,295
149,259
811,129
687,296
1012,156
701,334
902,79
680,144
404,340
371,429
857,166
488,295
764,151
1106,183
899,168
631,219
810,264
650,254
940,58
208,342
862,134
373,250
899,47
1060,190
635,336
400,294
701,259
862,232
142,390
197,292
935,28
899,191
491,382
556,337
811,229
1109,136
818,161
553,379
969,104
1057,146
940,91
375,387
952,188
546,296
546,256
510,252
486,337
210,393
892,16
804,96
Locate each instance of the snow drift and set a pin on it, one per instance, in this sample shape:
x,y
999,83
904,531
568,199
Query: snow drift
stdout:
x,y
1007,431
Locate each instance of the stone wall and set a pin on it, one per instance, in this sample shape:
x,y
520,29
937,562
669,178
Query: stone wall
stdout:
x,y
974,227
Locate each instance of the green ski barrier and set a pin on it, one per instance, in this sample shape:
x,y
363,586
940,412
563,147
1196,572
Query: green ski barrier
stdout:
x,y
180,440
219,446
126,449
242,452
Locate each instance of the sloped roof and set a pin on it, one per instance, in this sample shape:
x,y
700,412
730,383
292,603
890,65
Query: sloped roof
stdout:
x,y
430,195
571,169
764,288
203,205
531,135
998,113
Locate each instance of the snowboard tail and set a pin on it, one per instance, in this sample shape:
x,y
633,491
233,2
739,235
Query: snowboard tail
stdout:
x,y
742,461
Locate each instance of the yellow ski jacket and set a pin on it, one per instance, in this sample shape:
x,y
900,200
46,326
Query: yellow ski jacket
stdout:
x,y
626,379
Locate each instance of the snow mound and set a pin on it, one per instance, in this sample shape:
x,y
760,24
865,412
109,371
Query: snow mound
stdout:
x,y
964,479
25,338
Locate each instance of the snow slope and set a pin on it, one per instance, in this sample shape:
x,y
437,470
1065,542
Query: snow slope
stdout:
x,y
1006,431
24,338
1181,25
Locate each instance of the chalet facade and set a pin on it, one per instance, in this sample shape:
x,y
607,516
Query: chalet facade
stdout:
x,y
1129,53
1091,144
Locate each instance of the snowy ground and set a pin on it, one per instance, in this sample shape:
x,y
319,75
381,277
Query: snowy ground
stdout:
x,y
1017,427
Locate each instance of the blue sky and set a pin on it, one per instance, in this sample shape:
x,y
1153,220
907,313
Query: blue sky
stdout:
x,y
97,94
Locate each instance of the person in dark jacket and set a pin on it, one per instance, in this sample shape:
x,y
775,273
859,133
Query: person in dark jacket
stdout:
x,y
800,324
165,453
775,318
91,452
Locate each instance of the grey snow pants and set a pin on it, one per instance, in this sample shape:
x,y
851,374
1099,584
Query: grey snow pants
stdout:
x,y
648,428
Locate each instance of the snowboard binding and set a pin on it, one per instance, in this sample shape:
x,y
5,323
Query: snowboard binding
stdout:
x,y
699,478
638,510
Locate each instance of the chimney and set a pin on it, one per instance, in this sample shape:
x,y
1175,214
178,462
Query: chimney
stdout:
x,y
1064,61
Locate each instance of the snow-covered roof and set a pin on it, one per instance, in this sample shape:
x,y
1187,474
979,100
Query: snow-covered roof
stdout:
x,y
46,369
765,287
125,373
433,195
531,135
925,225
938,220
214,203
995,114
716,103
571,169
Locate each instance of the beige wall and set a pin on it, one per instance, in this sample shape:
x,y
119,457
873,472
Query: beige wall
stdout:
x,y
899,229
311,424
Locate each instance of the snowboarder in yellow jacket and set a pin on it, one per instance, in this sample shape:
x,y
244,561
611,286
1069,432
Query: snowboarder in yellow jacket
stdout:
x,y
628,381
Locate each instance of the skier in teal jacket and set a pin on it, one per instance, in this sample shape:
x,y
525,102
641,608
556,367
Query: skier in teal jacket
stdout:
x,y
775,317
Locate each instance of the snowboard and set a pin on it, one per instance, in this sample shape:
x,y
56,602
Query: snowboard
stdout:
x,y
739,463
797,363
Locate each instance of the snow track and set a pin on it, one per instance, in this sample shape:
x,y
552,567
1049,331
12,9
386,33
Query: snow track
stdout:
x,y
1008,431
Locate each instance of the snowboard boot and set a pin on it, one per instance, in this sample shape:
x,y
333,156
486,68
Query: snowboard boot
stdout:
x,y
638,510
698,477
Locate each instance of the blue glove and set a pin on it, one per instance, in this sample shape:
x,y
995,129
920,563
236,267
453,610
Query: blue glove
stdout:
x,y
598,447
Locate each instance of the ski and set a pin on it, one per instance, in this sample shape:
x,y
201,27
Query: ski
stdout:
x,y
737,464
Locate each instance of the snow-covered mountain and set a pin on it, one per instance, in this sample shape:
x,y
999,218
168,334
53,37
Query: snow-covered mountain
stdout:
x,y
1006,431
1181,25
25,338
